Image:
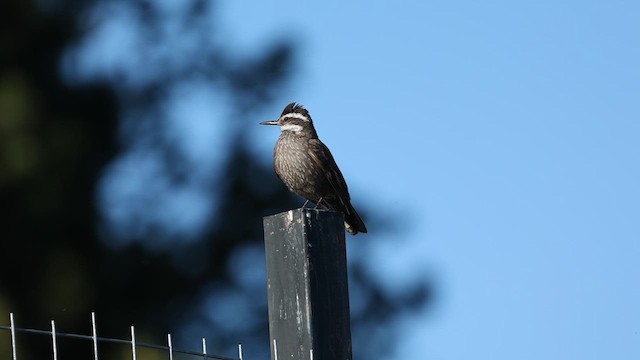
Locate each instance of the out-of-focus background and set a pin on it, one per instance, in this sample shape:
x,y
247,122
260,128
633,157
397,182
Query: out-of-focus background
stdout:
x,y
492,149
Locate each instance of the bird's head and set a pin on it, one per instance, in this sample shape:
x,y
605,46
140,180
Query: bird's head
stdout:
x,y
294,118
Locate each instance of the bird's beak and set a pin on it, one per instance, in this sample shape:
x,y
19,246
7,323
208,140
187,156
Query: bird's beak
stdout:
x,y
270,122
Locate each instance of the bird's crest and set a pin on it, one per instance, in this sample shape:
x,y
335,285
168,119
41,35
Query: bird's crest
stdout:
x,y
296,108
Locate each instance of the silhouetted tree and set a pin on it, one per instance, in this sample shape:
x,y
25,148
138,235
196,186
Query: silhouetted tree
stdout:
x,y
72,241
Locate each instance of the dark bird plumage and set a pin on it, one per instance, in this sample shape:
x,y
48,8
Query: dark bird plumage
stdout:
x,y
307,168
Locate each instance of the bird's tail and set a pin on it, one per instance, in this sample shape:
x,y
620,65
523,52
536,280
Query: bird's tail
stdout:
x,y
352,221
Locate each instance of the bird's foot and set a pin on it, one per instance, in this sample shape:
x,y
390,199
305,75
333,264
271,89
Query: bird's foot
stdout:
x,y
318,204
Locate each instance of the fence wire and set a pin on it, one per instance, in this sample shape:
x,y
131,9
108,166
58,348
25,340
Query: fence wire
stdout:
x,y
95,339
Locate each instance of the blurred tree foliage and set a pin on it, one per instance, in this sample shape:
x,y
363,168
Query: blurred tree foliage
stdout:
x,y
57,137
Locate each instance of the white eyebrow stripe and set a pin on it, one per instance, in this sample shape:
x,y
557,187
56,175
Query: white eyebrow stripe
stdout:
x,y
291,127
296,116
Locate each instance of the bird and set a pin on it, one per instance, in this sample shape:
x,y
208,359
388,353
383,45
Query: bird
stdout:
x,y
305,165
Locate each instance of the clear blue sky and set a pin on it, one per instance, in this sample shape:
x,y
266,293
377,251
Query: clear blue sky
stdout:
x,y
506,134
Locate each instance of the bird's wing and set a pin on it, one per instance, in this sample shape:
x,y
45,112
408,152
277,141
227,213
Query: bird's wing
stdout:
x,y
321,156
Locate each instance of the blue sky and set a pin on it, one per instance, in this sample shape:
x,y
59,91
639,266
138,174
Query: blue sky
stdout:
x,y
504,134
507,134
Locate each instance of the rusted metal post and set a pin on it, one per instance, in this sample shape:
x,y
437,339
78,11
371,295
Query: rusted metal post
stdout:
x,y
307,285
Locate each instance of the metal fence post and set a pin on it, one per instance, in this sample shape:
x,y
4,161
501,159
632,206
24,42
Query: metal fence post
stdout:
x,y
307,285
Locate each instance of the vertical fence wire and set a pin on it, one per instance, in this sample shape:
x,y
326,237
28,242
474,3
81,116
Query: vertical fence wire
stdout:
x,y
170,343
53,340
204,348
94,336
240,351
275,350
13,338
133,342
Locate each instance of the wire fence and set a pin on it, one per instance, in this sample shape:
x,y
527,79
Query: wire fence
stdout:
x,y
54,336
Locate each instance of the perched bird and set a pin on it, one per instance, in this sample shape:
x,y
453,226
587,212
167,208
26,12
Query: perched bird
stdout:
x,y
307,167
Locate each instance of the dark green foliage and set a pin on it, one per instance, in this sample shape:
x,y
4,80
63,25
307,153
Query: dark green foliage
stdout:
x,y
57,138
